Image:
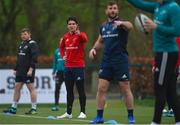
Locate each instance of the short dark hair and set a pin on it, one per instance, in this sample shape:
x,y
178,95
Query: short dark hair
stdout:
x,y
25,30
72,18
110,3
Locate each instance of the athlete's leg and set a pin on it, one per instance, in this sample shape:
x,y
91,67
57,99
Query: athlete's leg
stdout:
x,y
160,85
57,91
16,97
82,94
17,93
58,83
70,94
128,96
171,87
173,99
101,96
160,99
33,94
105,75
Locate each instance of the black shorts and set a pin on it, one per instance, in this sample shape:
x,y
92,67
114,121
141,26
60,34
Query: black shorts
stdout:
x,y
25,79
59,77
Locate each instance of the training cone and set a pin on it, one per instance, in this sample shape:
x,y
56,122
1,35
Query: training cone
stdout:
x,y
111,122
8,114
50,117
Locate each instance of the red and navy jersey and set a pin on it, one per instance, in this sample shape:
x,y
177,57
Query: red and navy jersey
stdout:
x,y
72,46
115,43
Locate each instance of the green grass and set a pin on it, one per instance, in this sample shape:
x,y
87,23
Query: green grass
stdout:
x,y
115,110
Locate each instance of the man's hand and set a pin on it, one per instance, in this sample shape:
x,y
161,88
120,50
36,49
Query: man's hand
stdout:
x,y
54,76
78,32
118,23
29,73
92,53
149,25
64,58
124,24
153,69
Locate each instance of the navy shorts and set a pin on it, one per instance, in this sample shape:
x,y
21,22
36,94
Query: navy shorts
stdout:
x,y
25,79
74,73
118,72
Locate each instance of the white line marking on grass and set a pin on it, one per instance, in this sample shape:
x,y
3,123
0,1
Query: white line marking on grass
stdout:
x,y
43,117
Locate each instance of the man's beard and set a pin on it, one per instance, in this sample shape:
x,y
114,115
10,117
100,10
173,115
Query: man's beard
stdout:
x,y
114,16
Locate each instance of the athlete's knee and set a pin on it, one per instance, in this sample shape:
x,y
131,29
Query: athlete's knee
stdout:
x,y
126,90
18,86
101,90
32,90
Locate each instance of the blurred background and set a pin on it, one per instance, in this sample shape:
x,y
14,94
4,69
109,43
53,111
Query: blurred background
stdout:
x,y
47,21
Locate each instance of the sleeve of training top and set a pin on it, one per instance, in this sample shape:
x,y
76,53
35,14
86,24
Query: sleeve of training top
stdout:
x,y
174,29
34,54
144,5
83,37
54,62
62,47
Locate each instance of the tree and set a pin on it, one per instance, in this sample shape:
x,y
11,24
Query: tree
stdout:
x,y
9,12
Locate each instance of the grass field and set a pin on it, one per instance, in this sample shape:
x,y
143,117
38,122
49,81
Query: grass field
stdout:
x,y
115,110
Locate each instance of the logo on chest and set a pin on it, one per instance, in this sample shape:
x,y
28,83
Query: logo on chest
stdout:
x,y
108,32
67,40
103,29
74,40
25,47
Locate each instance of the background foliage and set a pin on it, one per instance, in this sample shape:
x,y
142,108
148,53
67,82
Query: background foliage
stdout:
x,y
47,20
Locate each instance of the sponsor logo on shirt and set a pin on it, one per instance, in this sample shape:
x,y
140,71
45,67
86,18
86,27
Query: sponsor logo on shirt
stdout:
x,y
25,47
67,40
108,32
73,47
22,54
110,35
74,40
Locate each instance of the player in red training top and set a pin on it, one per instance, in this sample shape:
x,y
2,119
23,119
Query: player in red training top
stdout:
x,y
72,51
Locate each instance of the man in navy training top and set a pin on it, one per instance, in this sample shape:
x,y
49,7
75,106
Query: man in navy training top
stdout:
x,y
113,38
